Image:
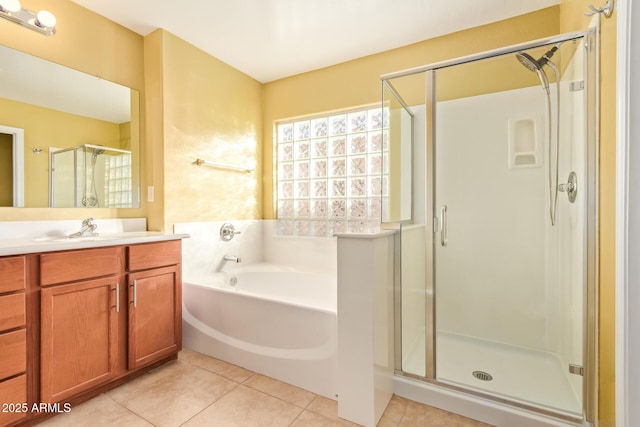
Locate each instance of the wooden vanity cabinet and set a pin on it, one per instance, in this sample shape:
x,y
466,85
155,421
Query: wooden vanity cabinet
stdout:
x,y
75,323
155,302
13,339
79,321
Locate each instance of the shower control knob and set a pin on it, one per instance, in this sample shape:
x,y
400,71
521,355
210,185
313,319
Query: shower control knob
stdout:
x,y
566,187
227,231
571,187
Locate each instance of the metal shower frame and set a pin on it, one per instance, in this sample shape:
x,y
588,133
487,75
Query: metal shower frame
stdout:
x,y
590,344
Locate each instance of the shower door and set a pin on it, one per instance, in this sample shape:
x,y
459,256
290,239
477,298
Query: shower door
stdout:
x,y
509,250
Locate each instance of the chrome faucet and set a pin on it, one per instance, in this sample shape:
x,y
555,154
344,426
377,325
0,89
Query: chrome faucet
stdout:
x,y
88,229
232,258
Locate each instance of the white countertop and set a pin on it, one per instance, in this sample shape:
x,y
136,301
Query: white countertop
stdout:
x,y
46,244
366,235
23,237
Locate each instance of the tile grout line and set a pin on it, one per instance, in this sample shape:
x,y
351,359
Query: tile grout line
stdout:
x,y
339,420
221,375
279,398
237,384
270,395
404,411
296,418
129,410
212,403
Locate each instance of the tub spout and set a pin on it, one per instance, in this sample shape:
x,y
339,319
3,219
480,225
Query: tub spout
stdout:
x,y
232,258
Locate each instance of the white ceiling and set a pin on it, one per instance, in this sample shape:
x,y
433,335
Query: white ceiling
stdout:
x,y
272,39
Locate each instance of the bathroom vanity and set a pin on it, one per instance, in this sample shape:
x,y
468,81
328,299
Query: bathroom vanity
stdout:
x,y
77,322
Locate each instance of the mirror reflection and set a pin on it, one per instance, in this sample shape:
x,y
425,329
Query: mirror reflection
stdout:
x,y
91,176
67,139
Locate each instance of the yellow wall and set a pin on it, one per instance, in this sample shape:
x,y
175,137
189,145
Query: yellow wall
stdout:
x,y
86,42
210,111
153,154
357,82
44,128
572,18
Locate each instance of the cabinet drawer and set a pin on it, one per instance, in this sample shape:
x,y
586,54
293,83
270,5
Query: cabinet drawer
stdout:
x,y
12,274
13,392
152,255
61,267
13,353
12,311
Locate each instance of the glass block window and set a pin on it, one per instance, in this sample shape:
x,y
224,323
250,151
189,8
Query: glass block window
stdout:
x,y
118,181
330,175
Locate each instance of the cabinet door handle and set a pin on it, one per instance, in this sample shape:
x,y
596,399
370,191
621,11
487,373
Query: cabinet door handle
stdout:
x,y
117,297
135,293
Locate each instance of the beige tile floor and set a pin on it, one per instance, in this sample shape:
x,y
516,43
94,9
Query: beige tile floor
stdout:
x,y
197,390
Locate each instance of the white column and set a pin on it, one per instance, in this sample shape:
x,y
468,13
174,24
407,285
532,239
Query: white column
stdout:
x,y
365,326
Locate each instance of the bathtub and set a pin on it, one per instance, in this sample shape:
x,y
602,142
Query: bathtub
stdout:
x,y
271,319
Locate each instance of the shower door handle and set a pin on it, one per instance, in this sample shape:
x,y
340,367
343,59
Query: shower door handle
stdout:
x,y
444,235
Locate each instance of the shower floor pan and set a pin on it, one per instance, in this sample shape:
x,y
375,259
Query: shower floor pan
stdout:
x,y
520,374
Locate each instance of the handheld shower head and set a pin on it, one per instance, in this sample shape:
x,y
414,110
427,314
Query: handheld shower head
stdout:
x,y
528,61
536,65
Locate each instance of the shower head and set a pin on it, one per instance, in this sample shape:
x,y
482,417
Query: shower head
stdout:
x,y
536,65
97,151
528,61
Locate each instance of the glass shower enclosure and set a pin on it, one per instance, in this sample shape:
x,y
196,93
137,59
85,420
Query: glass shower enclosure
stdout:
x,y
498,266
91,176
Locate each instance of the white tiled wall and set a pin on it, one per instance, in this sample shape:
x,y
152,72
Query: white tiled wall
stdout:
x,y
257,242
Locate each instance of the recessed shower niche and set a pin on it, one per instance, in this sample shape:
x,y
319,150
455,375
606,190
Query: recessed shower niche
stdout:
x,y
91,176
524,148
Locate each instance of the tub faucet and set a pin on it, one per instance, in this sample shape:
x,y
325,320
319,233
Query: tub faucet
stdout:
x,y
232,258
88,229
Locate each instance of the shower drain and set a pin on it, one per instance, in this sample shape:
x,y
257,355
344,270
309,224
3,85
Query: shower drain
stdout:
x,y
482,376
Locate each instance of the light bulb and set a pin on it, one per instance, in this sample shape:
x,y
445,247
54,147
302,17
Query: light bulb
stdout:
x,y
45,19
10,5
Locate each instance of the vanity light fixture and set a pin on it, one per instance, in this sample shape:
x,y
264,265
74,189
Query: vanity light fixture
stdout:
x,y
43,21
10,6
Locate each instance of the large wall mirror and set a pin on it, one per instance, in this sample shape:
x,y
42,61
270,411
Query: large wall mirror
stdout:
x,y
67,139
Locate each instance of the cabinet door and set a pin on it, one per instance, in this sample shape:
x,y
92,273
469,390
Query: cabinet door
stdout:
x,y
79,337
154,314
